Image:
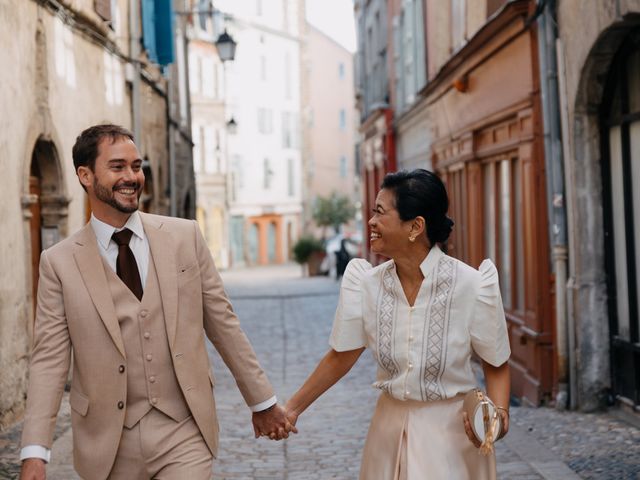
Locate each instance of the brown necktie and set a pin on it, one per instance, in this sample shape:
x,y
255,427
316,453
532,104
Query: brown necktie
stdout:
x,y
126,266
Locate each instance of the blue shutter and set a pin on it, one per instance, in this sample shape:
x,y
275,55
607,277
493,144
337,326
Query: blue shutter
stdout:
x,y
164,31
149,29
157,30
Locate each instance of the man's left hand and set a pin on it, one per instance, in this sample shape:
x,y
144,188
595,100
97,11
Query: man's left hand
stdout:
x,y
272,423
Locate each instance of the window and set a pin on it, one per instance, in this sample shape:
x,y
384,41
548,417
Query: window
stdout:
x,y
218,153
290,177
286,130
267,174
343,167
290,130
217,75
194,73
265,121
341,71
209,150
287,76
458,23
202,17
504,243
64,54
113,79
408,52
408,49
343,119
238,176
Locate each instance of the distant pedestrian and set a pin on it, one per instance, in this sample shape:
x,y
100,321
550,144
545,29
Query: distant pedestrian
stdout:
x,y
342,258
422,313
131,295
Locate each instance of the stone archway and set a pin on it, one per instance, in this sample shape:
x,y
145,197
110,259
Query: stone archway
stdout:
x,y
45,206
588,255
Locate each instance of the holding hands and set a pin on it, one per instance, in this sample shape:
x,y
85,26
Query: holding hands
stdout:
x,y
273,423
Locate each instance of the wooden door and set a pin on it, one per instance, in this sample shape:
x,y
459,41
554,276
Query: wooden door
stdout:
x,y
35,225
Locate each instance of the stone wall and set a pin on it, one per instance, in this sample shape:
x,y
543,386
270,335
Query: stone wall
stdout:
x,y
590,34
56,80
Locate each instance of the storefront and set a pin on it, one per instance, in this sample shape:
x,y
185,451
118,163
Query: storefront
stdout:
x,y
487,146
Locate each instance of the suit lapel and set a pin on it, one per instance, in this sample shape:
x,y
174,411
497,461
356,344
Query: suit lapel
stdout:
x,y
162,254
86,256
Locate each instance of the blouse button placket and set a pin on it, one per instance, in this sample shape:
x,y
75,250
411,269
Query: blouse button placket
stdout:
x,y
409,363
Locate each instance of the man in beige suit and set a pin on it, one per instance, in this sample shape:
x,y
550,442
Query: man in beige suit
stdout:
x,y
130,295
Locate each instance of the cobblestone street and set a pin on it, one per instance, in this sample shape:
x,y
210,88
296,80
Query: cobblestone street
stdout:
x,y
288,320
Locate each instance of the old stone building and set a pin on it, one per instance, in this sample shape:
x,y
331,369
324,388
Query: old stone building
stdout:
x,y
599,81
67,65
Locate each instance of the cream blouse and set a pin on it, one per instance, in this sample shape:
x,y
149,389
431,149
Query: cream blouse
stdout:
x,y
423,352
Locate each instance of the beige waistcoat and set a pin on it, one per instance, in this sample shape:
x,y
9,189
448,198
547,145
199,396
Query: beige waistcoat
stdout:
x,y
151,380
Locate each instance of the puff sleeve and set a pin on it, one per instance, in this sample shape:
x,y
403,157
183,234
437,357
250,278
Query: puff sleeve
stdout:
x,y
348,325
488,326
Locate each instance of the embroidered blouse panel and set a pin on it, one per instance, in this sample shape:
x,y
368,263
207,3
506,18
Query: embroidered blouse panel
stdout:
x,y
423,351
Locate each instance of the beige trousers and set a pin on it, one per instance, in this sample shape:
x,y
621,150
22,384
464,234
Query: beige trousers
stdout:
x,y
160,448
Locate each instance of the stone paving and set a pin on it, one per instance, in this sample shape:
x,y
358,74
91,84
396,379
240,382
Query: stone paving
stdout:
x,y
288,320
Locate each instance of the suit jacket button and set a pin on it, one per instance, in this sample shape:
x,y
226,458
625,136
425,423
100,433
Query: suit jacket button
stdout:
x,y
121,368
120,405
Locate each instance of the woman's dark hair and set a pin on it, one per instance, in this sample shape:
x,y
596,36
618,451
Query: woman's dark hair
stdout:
x,y
421,193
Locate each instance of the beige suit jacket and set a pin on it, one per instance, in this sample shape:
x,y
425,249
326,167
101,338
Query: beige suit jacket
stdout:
x,y
75,313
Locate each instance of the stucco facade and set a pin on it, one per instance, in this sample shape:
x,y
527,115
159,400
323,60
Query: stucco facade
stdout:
x,y
263,94
331,117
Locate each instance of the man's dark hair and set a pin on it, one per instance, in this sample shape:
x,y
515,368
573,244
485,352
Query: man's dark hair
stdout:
x,y
421,193
85,150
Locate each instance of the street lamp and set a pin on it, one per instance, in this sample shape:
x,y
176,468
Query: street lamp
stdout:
x,y
232,126
226,46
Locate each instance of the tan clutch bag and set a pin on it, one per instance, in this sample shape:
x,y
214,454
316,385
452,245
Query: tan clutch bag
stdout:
x,y
484,418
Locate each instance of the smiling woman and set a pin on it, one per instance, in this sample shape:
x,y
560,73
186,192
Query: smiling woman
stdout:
x,y
423,314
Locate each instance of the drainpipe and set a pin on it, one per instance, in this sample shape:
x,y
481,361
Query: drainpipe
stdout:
x,y
569,183
134,30
553,153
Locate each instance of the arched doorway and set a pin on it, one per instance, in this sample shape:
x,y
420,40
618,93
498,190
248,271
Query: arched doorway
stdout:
x,y
47,205
620,138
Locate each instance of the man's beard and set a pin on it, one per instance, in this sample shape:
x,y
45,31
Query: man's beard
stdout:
x,y
108,196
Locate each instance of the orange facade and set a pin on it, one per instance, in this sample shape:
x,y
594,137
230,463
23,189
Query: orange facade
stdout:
x,y
269,238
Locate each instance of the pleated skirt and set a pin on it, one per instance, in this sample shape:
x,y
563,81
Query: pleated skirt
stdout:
x,y
411,440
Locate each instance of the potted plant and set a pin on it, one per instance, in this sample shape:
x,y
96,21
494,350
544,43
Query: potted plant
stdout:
x,y
310,251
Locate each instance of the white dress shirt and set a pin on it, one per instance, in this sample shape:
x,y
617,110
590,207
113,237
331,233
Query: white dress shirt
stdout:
x,y
138,244
108,248
423,351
